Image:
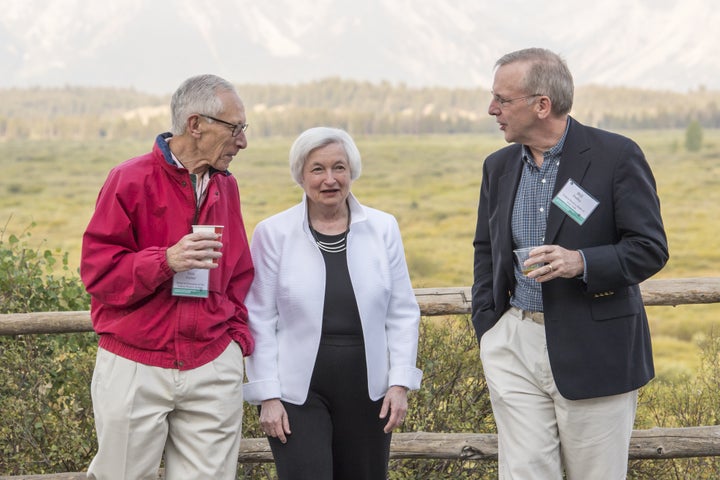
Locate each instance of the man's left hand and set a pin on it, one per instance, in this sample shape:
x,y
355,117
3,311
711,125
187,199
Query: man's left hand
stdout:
x,y
558,263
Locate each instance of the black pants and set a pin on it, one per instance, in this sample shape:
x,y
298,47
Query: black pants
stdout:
x,y
337,434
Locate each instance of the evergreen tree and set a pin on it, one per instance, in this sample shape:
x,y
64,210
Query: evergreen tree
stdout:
x,y
693,136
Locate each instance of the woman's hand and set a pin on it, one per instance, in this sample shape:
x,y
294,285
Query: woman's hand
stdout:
x,y
274,420
395,402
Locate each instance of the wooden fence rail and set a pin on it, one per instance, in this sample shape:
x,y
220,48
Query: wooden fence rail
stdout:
x,y
433,302
655,443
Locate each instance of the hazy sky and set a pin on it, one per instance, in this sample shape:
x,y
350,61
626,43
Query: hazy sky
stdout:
x,y
153,44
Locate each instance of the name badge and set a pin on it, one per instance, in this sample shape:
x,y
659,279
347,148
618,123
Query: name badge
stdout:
x,y
575,202
191,283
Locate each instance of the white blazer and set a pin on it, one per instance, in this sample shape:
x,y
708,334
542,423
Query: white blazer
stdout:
x,y
286,299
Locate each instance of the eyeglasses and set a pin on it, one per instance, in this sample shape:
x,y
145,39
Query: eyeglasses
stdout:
x,y
503,102
236,127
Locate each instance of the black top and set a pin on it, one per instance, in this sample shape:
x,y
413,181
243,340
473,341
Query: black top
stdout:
x,y
340,314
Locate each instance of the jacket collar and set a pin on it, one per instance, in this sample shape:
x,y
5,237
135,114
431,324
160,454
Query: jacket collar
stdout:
x,y
357,212
162,144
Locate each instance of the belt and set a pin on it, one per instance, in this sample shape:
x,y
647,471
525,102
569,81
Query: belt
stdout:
x,y
537,317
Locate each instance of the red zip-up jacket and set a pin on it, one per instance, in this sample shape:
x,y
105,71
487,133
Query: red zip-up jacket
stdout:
x,y
146,205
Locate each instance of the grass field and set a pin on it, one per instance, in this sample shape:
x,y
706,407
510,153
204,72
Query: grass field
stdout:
x,y
429,183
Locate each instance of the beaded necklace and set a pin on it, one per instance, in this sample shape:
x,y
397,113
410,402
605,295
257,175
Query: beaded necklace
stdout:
x,y
337,245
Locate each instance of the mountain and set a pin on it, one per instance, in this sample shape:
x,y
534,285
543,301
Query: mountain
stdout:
x,y
153,45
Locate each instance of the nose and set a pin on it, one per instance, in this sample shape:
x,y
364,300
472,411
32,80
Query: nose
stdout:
x,y
494,107
241,141
329,177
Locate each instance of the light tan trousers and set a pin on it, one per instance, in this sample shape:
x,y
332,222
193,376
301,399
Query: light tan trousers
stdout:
x,y
539,431
195,416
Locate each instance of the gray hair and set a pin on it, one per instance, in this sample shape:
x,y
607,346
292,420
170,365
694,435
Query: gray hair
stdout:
x,y
317,137
548,75
197,94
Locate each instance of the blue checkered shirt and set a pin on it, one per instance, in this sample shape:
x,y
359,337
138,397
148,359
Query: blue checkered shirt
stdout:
x,y
529,218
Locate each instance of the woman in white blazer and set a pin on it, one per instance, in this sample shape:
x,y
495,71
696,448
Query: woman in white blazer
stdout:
x,y
335,322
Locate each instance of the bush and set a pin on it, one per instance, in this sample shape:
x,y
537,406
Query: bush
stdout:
x,y
685,402
27,283
47,423
453,398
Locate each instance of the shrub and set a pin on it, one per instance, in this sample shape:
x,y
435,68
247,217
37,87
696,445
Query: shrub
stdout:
x,y
28,283
47,423
691,401
453,398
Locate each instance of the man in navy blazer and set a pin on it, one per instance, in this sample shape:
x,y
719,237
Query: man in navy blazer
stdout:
x,y
566,346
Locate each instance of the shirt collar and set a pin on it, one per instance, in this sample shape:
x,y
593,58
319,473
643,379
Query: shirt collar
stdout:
x,y
554,151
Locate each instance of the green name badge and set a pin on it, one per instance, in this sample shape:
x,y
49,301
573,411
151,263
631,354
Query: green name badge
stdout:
x,y
575,202
191,283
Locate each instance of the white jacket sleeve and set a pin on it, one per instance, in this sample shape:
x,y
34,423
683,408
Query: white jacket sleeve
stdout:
x,y
262,366
403,317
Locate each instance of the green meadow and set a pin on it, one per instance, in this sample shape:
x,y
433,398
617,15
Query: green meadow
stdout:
x,y
430,183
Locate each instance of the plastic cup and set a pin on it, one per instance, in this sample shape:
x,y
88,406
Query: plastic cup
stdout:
x,y
522,254
213,229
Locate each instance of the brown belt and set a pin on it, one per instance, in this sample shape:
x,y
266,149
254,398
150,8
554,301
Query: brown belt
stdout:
x,y
537,317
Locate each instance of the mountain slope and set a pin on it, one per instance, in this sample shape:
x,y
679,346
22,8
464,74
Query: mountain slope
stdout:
x,y
152,46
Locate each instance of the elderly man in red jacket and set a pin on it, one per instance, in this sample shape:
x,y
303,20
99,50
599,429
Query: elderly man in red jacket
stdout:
x,y
167,303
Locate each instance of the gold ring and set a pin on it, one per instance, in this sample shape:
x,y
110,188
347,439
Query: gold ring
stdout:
x,y
551,267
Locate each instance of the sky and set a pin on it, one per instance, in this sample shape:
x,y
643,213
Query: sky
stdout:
x,y
152,45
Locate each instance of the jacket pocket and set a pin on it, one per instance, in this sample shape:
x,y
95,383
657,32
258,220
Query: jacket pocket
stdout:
x,y
615,303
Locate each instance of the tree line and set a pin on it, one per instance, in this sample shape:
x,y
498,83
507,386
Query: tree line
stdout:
x,y
362,108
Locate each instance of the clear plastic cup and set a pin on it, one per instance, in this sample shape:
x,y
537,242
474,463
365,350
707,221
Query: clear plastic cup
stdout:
x,y
522,254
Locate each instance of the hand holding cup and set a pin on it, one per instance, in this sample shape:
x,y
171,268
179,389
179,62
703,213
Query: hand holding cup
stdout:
x,y
199,249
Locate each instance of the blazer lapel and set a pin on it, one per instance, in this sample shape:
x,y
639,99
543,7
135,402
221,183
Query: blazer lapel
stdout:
x,y
574,162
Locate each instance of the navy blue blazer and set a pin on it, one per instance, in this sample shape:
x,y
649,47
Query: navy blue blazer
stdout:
x,y
597,332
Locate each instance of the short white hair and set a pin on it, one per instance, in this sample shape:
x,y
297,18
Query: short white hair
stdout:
x,y
317,137
198,94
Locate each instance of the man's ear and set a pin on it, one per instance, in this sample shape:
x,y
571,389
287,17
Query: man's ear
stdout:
x,y
193,125
543,106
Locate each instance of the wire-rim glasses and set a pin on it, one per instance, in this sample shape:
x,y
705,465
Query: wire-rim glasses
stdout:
x,y
503,102
236,127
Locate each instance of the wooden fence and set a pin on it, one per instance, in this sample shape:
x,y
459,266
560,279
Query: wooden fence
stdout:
x,y
655,443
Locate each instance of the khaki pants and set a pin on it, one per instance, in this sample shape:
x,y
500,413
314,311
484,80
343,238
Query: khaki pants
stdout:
x,y
195,416
539,431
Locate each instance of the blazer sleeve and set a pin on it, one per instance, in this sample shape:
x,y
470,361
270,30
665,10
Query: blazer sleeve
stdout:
x,y
641,249
482,290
